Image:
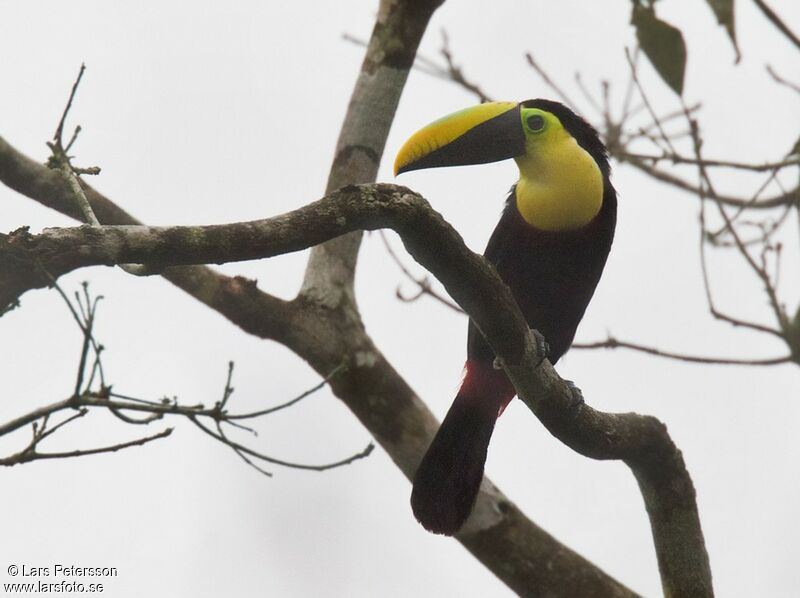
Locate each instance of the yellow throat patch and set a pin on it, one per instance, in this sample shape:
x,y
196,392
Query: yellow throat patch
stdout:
x,y
560,185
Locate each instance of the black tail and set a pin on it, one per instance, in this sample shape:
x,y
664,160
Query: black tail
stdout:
x,y
448,478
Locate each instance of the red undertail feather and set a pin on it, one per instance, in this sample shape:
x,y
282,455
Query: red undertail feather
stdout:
x,y
448,478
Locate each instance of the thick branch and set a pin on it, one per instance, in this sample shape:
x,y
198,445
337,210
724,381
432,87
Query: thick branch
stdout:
x,y
28,261
390,53
521,554
642,442
235,298
518,551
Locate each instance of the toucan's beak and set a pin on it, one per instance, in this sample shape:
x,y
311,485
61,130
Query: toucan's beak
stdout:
x,y
485,133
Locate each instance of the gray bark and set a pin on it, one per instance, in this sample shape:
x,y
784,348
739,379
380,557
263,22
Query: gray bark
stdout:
x,y
322,325
642,442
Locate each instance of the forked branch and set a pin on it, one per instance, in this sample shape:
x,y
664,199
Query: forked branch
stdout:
x,y
642,442
93,393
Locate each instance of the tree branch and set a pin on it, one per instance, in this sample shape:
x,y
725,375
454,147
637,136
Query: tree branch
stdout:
x,y
782,199
236,298
85,397
642,442
612,343
33,455
678,159
778,22
612,132
781,80
390,53
525,557
501,537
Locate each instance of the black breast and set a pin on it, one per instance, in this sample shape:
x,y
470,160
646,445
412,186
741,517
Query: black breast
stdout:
x,y
552,275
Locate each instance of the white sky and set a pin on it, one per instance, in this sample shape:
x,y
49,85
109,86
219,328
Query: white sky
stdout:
x,y
204,112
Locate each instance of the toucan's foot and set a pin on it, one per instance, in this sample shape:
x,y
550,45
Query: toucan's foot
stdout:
x,y
542,346
576,395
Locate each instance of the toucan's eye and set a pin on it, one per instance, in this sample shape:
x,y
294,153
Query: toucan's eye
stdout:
x,y
536,123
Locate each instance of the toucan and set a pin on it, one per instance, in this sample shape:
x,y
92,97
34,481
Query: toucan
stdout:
x,y
550,247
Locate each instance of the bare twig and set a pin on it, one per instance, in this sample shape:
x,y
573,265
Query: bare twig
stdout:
x,y
60,161
450,71
679,159
706,282
228,390
422,63
338,369
612,343
33,455
643,95
760,270
60,128
586,95
782,199
84,398
626,103
68,172
224,439
455,73
778,22
782,80
238,448
80,413
423,284
617,139
664,119
88,314
546,78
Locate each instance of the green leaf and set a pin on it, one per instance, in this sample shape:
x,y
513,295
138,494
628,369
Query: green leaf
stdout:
x,y
793,335
723,9
662,44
